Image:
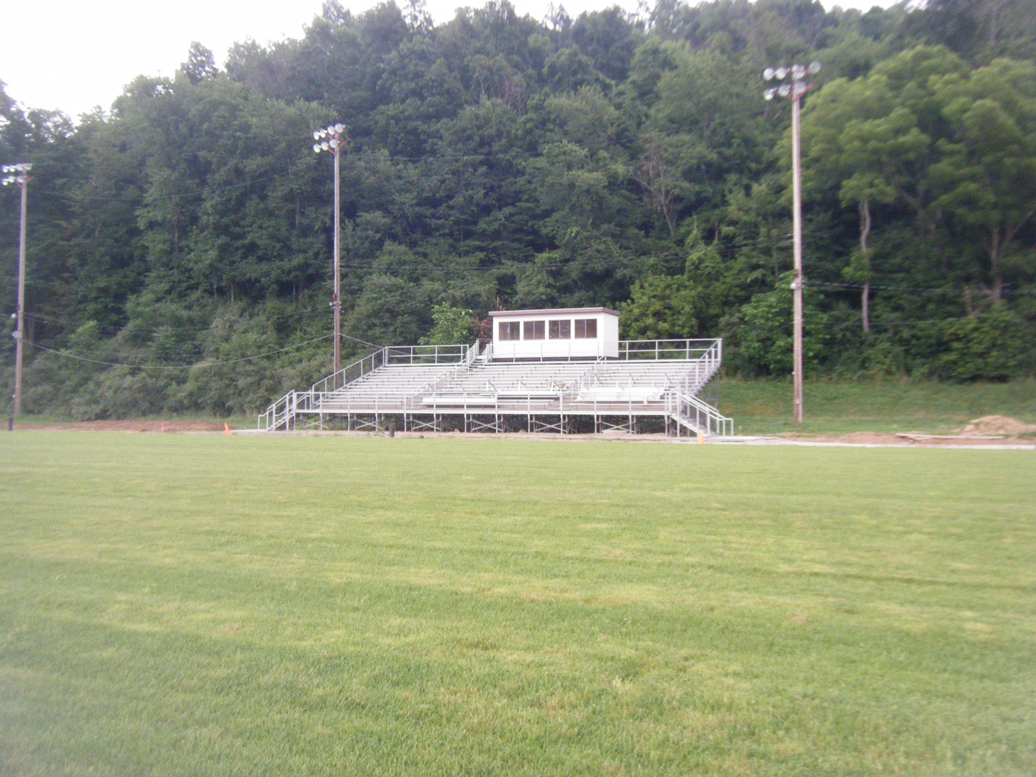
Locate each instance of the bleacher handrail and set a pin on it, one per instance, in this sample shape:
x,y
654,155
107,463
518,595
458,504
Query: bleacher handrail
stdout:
x,y
697,414
657,350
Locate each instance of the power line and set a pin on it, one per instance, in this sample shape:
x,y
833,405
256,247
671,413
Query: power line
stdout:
x,y
199,365
909,289
45,319
208,191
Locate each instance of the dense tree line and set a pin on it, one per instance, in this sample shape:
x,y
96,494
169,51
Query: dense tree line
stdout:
x,y
180,242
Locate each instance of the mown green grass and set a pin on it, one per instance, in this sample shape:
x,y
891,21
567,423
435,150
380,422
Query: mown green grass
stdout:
x,y
212,605
843,406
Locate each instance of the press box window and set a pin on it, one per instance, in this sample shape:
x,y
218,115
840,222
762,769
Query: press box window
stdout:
x,y
535,330
586,328
560,330
510,330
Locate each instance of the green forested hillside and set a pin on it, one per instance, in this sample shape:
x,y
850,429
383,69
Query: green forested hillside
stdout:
x,y
180,243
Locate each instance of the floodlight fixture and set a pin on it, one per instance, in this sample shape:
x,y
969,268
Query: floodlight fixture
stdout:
x,y
16,173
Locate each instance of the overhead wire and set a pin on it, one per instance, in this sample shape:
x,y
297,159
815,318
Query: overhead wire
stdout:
x,y
198,365
45,319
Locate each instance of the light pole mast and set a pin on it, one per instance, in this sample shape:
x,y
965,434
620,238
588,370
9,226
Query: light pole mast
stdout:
x,y
19,174
794,92
330,139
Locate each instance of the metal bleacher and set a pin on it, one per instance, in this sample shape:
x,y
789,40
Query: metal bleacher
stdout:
x,y
414,388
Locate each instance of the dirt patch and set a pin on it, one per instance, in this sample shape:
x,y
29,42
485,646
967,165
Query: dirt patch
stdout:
x,y
151,426
997,424
917,439
871,438
989,430
853,438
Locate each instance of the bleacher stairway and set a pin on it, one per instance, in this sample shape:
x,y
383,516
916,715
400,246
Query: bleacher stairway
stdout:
x,y
416,387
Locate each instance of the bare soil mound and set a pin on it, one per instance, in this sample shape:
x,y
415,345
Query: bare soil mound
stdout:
x,y
126,426
997,424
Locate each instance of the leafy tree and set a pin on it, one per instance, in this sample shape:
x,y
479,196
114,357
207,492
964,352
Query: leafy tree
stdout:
x,y
200,64
987,175
690,304
452,326
763,331
713,138
857,141
662,307
978,29
390,311
609,39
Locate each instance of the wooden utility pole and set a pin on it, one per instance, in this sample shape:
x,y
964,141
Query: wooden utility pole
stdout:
x,y
794,92
19,174
330,139
796,216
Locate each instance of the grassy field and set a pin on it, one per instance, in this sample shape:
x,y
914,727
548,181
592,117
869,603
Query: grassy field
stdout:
x,y
842,406
212,605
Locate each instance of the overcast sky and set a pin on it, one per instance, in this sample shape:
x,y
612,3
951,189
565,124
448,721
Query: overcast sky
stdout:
x,y
73,55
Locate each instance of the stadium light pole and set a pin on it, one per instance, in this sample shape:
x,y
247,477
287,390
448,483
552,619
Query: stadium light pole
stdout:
x,y
330,139
19,174
793,91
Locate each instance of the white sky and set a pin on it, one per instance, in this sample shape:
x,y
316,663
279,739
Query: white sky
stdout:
x,y
73,55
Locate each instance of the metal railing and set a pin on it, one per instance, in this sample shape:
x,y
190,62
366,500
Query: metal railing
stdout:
x,y
573,388
428,354
277,414
669,349
396,355
704,369
285,410
697,415
449,378
351,372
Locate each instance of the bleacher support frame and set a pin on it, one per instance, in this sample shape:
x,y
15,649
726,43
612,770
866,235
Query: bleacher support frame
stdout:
x,y
418,388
